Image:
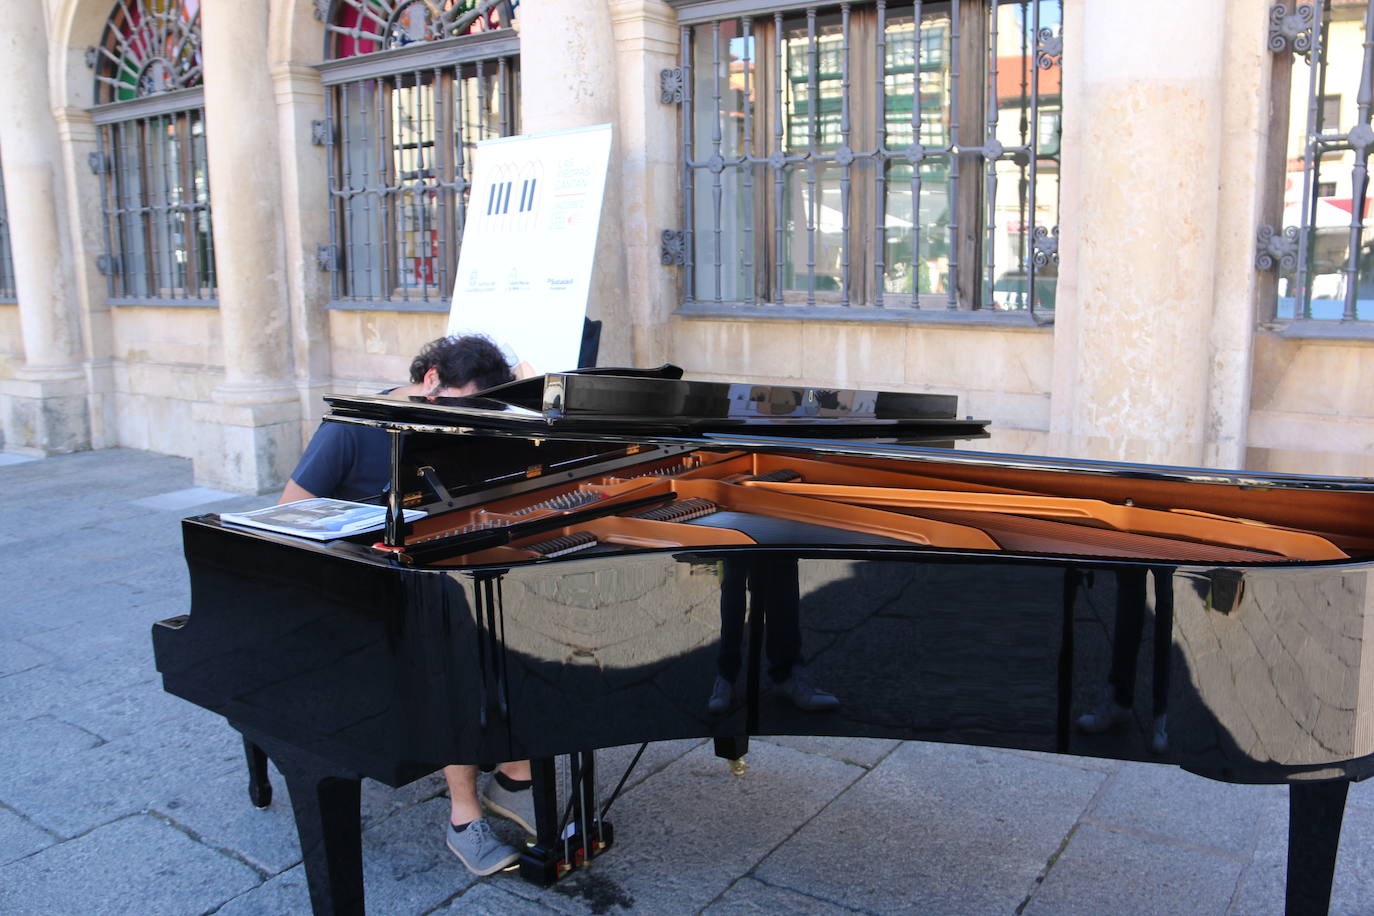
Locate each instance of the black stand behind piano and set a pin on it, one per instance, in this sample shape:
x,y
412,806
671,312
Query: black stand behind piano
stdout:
x,y
603,549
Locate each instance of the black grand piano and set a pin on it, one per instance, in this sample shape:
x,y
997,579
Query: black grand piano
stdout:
x,y
598,547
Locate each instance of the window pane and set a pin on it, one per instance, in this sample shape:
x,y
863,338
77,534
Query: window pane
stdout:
x,y
1319,191
725,91
400,193
1026,201
813,97
925,116
7,290
932,268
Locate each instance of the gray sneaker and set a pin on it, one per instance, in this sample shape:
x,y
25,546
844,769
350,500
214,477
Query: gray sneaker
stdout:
x,y
513,806
805,695
1107,714
480,849
722,695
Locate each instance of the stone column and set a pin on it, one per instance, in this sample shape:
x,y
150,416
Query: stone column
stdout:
x,y
646,38
247,437
305,222
568,79
45,409
1144,104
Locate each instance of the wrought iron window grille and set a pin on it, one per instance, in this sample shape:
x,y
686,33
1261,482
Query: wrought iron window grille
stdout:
x,y
151,158
1323,266
869,155
410,88
8,290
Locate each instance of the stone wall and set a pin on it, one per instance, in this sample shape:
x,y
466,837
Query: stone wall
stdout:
x,y
1155,354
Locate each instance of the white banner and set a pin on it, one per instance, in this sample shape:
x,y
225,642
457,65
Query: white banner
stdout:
x,y
526,261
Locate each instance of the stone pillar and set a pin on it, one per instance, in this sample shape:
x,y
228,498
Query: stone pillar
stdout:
x,y
45,409
1144,103
568,79
646,38
247,437
77,134
305,222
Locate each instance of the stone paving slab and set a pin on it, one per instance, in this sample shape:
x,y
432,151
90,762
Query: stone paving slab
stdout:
x,y
489,900
938,829
684,836
20,837
1104,871
1352,891
116,797
137,865
1150,799
751,897
182,500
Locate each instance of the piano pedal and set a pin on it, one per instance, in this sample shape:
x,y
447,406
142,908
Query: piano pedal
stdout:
x,y
538,865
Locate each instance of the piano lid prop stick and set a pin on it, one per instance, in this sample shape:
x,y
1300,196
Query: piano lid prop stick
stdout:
x,y
473,541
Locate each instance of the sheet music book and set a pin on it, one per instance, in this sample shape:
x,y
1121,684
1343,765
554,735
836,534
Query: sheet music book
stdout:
x,y
319,518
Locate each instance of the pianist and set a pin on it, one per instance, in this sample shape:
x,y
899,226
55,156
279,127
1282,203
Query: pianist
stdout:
x,y
353,462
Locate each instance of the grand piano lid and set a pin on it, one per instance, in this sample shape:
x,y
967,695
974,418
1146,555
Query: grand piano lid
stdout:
x,y
626,403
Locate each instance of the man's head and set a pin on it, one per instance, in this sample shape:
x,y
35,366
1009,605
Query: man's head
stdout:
x,y
459,366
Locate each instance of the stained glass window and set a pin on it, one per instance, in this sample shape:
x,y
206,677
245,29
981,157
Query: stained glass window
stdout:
x,y
152,163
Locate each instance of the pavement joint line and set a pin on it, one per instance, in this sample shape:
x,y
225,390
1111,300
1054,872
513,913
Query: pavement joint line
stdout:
x,y
57,837
1163,839
750,872
1039,882
263,874
99,738
802,893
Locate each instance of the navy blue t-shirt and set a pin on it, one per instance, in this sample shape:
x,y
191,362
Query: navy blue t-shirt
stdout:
x,y
344,461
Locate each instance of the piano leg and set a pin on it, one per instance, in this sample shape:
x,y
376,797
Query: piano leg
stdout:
x,y
259,789
733,748
1315,812
327,806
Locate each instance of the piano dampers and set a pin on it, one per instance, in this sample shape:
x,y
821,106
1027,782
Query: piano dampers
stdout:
x,y
565,544
781,475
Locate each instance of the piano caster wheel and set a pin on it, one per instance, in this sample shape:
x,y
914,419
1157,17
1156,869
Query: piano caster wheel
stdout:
x,y
738,766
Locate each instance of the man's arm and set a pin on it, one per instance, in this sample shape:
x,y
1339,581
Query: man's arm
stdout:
x,y
293,491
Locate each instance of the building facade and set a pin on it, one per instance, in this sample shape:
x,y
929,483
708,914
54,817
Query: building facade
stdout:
x,y
1114,231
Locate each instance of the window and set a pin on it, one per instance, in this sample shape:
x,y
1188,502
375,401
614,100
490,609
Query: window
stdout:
x,y
159,247
412,87
1331,276
835,156
7,285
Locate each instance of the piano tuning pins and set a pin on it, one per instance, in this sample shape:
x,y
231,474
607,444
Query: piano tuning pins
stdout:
x,y
680,511
571,500
680,468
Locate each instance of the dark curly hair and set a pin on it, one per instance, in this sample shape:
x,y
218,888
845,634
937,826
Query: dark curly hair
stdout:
x,y
460,360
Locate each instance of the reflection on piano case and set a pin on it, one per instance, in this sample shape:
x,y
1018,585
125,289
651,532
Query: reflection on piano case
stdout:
x,y
590,536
